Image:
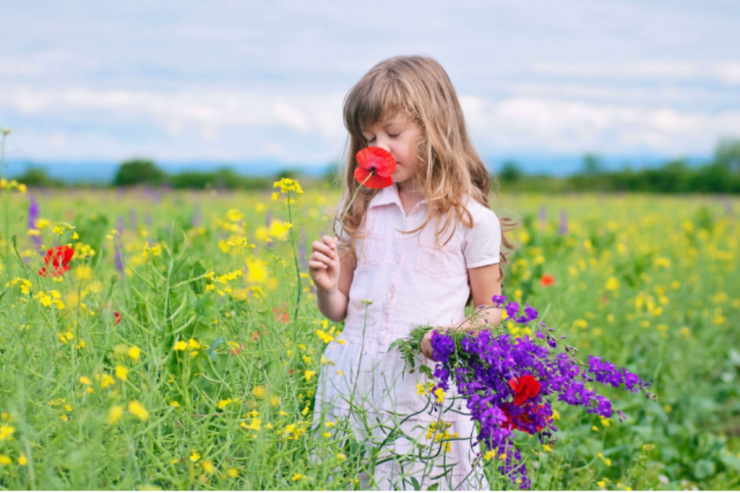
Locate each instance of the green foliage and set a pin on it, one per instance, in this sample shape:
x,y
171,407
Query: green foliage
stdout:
x,y
138,172
224,178
37,176
510,172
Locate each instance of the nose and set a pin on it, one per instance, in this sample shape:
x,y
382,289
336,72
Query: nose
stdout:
x,y
382,143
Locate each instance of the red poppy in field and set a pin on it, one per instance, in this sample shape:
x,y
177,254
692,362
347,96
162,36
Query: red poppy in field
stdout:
x,y
255,335
526,387
547,280
377,161
280,314
57,261
117,317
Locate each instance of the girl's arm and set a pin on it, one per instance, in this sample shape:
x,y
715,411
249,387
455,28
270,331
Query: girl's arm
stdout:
x,y
485,283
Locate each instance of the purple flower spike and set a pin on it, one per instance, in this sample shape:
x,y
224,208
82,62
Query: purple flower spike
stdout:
x,y
530,313
498,299
511,309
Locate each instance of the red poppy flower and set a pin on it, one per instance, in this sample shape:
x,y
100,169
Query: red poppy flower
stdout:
x,y
117,317
57,261
377,161
547,280
526,387
279,314
255,335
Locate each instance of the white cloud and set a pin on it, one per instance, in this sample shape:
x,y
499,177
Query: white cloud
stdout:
x,y
174,112
303,129
723,72
533,124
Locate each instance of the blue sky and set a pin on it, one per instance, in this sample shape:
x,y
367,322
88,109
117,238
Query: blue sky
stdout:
x,y
230,82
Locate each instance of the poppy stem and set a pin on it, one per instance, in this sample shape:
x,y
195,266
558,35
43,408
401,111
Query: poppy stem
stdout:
x,y
341,221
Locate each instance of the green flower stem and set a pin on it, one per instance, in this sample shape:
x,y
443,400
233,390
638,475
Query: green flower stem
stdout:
x,y
355,196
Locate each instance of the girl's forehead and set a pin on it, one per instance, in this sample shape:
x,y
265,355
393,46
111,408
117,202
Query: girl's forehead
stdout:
x,y
396,118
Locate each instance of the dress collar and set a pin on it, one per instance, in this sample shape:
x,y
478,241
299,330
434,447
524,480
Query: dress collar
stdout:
x,y
389,195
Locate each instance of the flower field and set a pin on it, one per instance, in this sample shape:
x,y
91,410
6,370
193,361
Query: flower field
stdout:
x,y
172,340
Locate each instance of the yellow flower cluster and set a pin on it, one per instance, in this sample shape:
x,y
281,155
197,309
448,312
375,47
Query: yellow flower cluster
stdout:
x,y
439,432
287,185
191,344
12,185
52,298
23,284
155,250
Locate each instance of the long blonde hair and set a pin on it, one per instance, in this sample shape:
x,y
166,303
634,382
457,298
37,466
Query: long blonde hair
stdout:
x,y
448,169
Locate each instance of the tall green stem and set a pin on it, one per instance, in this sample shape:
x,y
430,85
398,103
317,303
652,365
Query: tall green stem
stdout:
x,y
295,259
6,198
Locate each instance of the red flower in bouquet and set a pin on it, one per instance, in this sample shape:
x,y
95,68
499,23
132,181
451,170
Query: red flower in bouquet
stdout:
x,y
57,261
526,387
378,162
525,418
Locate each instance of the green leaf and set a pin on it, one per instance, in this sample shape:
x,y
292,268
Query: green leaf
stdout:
x,y
415,483
704,468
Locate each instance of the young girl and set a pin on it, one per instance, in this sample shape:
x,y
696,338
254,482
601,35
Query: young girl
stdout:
x,y
411,254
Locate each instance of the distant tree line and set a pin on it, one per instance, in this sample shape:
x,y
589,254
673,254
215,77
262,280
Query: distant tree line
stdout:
x,y
720,175
145,172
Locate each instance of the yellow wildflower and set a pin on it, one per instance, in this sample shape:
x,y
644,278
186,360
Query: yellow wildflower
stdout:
x,y
134,353
115,414
6,432
138,410
208,467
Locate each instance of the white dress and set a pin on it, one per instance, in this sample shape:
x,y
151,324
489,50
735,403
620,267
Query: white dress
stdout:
x,y
410,284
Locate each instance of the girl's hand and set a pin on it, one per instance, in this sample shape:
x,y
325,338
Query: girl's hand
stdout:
x,y
324,263
426,345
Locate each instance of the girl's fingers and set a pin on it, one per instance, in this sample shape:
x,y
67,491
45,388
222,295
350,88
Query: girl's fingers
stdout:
x,y
317,265
318,256
323,248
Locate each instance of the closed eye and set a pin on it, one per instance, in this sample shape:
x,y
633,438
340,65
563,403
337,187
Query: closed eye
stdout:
x,y
389,135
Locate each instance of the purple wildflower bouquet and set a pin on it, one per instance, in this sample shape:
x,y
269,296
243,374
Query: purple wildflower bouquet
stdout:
x,y
509,382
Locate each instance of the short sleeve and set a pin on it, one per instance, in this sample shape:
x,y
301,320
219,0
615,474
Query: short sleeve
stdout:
x,y
483,242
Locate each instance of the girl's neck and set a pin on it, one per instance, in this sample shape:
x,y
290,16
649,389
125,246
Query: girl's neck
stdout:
x,y
406,191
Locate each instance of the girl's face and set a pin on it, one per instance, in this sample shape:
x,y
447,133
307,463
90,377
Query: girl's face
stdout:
x,y
399,136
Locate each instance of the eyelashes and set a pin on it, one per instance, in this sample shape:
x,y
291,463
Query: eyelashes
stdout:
x,y
389,135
